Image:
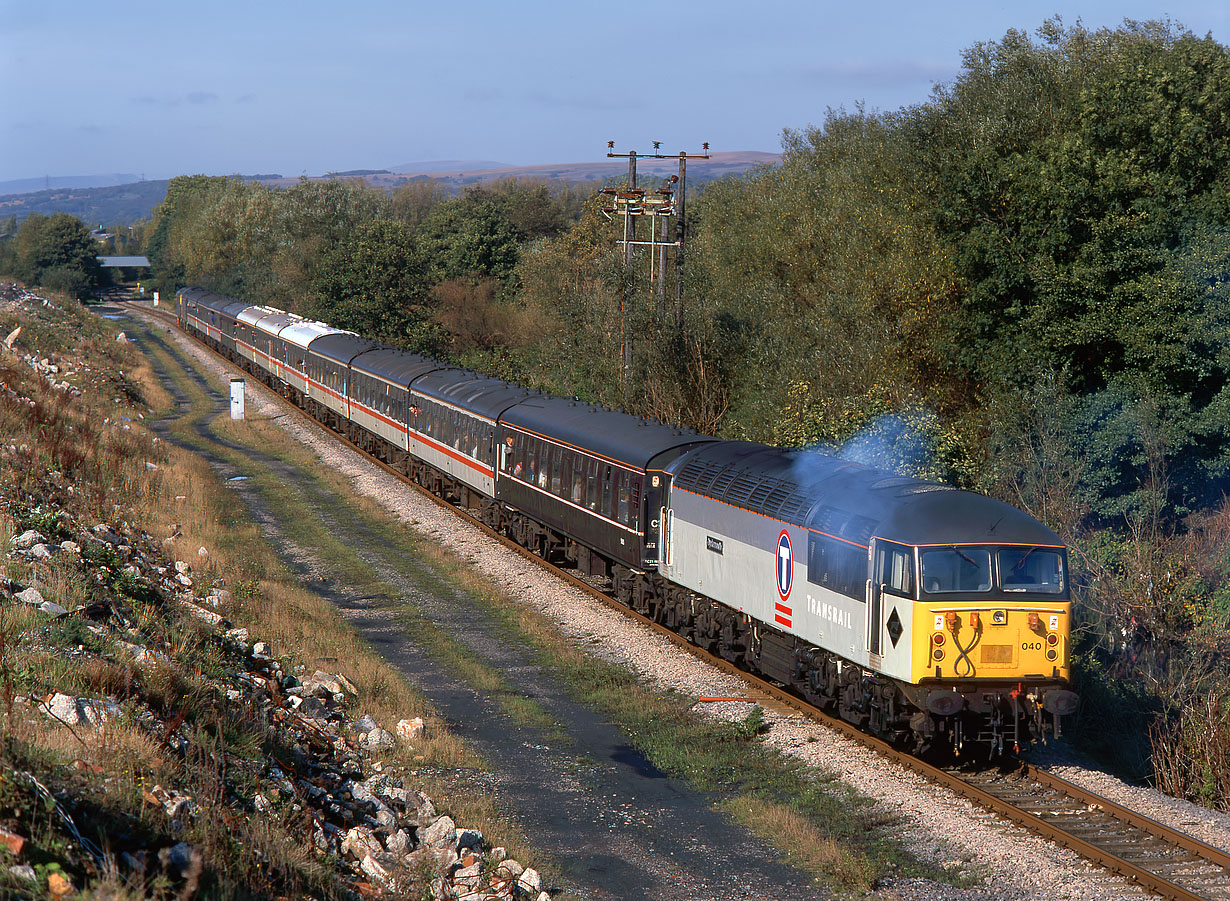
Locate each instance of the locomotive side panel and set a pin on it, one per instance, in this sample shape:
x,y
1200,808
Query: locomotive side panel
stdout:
x,y
759,566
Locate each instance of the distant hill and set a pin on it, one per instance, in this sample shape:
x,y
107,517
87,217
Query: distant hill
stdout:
x,y
430,167
719,165
121,204
126,203
30,185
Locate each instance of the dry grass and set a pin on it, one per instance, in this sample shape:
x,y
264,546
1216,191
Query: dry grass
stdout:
x,y
801,842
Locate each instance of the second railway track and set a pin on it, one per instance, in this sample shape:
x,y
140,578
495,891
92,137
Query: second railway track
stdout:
x,y
1162,860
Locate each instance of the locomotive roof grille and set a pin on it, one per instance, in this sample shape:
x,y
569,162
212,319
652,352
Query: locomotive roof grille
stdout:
x,y
794,508
742,489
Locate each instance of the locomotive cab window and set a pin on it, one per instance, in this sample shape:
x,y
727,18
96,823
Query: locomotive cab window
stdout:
x,y
956,569
1031,569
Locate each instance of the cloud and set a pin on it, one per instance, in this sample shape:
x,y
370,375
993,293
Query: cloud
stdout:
x,y
192,98
612,102
880,73
482,94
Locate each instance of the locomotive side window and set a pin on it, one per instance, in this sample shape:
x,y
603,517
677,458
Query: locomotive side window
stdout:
x,y
837,565
1031,569
895,568
956,569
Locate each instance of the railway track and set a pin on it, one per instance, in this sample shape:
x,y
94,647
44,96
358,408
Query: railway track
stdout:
x,y
1159,859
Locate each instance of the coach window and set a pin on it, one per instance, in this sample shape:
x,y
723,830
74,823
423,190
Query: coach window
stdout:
x,y
636,502
531,460
518,455
556,467
623,498
578,478
606,490
591,484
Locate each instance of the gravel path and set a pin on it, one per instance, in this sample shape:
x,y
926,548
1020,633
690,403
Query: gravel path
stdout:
x,y
936,826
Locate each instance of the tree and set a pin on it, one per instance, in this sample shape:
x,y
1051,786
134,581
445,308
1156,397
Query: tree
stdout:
x,y
373,281
57,251
468,236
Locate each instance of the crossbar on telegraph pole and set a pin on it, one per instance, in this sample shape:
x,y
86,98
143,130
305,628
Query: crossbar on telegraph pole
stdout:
x,y
679,210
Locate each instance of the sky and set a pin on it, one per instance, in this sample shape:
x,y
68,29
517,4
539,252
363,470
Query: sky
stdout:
x,y
167,88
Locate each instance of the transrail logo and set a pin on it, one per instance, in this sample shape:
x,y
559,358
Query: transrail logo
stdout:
x,y
785,566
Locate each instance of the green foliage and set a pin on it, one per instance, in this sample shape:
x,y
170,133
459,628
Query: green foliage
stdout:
x,y
469,235
372,281
57,252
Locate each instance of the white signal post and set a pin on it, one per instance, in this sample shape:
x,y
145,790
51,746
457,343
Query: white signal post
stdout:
x,y
237,388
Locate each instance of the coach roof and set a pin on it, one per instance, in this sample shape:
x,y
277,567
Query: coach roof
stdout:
x,y
401,367
341,347
618,436
275,322
480,394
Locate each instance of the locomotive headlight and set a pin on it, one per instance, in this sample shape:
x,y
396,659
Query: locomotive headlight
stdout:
x,y
1052,638
938,654
937,639
999,617
1052,654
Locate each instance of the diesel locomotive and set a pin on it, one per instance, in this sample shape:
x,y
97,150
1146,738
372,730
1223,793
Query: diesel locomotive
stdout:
x,y
925,614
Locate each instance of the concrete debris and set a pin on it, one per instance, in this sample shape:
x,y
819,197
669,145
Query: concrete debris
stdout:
x,y
73,711
27,540
30,596
410,730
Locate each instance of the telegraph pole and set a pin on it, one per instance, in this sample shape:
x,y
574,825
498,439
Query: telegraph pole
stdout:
x,y
634,201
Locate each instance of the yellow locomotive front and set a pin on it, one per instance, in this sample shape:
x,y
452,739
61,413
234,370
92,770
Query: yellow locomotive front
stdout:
x,y
991,641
